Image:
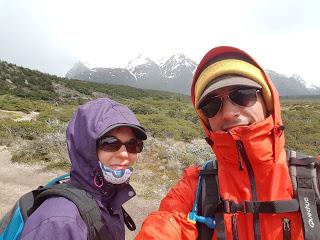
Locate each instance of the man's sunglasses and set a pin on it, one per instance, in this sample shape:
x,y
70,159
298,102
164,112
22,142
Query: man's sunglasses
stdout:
x,y
113,144
243,97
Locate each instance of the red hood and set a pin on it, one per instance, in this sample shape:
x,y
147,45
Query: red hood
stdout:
x,y
278,135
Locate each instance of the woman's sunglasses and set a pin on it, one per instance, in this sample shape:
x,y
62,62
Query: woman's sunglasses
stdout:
x,y
246,97
113,144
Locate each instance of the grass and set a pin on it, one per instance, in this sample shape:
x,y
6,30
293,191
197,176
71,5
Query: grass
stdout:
x,y
302,122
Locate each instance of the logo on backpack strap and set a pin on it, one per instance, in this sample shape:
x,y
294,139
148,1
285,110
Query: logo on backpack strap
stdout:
x,y
309,214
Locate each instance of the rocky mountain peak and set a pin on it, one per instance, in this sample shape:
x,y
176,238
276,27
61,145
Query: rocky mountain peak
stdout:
x,y
140,60
77,68
173,73
179,59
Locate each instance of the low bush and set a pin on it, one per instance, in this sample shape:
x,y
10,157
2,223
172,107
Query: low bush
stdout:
x,y
162,162
50,150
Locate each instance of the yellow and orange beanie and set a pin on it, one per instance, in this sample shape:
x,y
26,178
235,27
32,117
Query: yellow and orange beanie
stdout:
x,y
227,61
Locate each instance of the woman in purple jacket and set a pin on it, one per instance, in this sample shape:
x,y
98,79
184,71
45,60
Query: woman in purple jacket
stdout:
x,y
103,139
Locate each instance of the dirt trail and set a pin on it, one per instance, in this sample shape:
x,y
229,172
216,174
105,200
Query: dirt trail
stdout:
x,y
16,179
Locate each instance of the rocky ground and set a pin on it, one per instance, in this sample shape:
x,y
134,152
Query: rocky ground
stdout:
x,y
16,179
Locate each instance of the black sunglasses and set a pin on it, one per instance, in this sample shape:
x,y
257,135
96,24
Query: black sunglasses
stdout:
x,y
113,144
243,97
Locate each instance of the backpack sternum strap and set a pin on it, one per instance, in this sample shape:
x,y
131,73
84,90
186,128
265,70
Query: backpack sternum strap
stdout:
x,y
280,206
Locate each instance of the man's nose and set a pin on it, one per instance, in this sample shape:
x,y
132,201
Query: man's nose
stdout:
x,y
229,111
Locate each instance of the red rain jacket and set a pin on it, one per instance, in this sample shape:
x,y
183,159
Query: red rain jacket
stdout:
x,y
265,177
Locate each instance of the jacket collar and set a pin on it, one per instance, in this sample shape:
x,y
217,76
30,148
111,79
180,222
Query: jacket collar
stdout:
x,y
257,140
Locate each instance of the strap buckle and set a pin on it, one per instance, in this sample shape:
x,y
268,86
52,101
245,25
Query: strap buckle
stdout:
x,y
230,206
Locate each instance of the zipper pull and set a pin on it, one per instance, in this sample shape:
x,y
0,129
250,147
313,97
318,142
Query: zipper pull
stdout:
x,y
241,167
234,227
286,228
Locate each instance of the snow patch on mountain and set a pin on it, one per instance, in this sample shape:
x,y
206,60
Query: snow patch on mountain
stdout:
x,y
175,63
138,61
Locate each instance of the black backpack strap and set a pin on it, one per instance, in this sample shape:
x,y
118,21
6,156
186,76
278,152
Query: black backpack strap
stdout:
x,y
128,220
87,206
210,203
279,206
27,202
303,173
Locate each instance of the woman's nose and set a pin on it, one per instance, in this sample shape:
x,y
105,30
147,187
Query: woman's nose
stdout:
x,y
123,151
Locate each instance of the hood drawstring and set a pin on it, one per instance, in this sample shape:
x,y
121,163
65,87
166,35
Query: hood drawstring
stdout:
x,y
98,180
240,159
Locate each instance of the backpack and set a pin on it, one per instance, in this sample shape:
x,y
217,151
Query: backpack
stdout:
x,y
209,207
11,225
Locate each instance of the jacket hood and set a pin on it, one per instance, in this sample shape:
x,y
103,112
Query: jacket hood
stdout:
x,y
89,122
216,63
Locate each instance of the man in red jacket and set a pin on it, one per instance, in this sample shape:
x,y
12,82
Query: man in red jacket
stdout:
x,y
239,109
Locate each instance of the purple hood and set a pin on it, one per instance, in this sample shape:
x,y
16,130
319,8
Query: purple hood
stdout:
x,y
88,123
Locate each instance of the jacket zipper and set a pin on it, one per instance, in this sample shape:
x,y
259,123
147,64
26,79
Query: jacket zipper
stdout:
x,y
256,224
241,167
286,229
234,227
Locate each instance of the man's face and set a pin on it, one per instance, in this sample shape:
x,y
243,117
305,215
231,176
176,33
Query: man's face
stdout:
x,y
232,115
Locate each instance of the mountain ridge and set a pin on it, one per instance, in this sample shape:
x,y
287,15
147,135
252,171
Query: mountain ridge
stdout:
x,y
174,74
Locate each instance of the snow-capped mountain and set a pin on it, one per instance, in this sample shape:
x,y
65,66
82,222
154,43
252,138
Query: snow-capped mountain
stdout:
x,y
178,72
173,74
147,73
170,66
138,61
102,75
293,85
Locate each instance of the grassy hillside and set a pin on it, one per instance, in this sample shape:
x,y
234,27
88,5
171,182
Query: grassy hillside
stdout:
x,y
169,119
163,114
173,127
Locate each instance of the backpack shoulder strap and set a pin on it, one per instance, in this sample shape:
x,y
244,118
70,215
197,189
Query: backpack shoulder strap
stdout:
x,y
87,206
11,225
128,220
210,199
206,210
303,174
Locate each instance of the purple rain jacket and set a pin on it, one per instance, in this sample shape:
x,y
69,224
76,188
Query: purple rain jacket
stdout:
x,y
58,218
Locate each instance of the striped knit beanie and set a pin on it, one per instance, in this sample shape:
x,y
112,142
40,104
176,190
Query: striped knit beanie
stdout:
x,y
231,64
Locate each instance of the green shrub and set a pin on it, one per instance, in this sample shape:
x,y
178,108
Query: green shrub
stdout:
x,y
162,126
28,130
50,150
13,103
62,113
142,108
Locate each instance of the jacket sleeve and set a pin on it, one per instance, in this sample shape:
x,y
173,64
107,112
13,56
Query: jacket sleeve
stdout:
x,y
55,219
170,222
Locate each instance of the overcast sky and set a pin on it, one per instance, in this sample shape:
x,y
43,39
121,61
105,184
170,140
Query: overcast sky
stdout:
x,y
51,35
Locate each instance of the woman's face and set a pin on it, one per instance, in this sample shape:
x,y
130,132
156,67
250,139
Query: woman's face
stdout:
x,y
120,159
